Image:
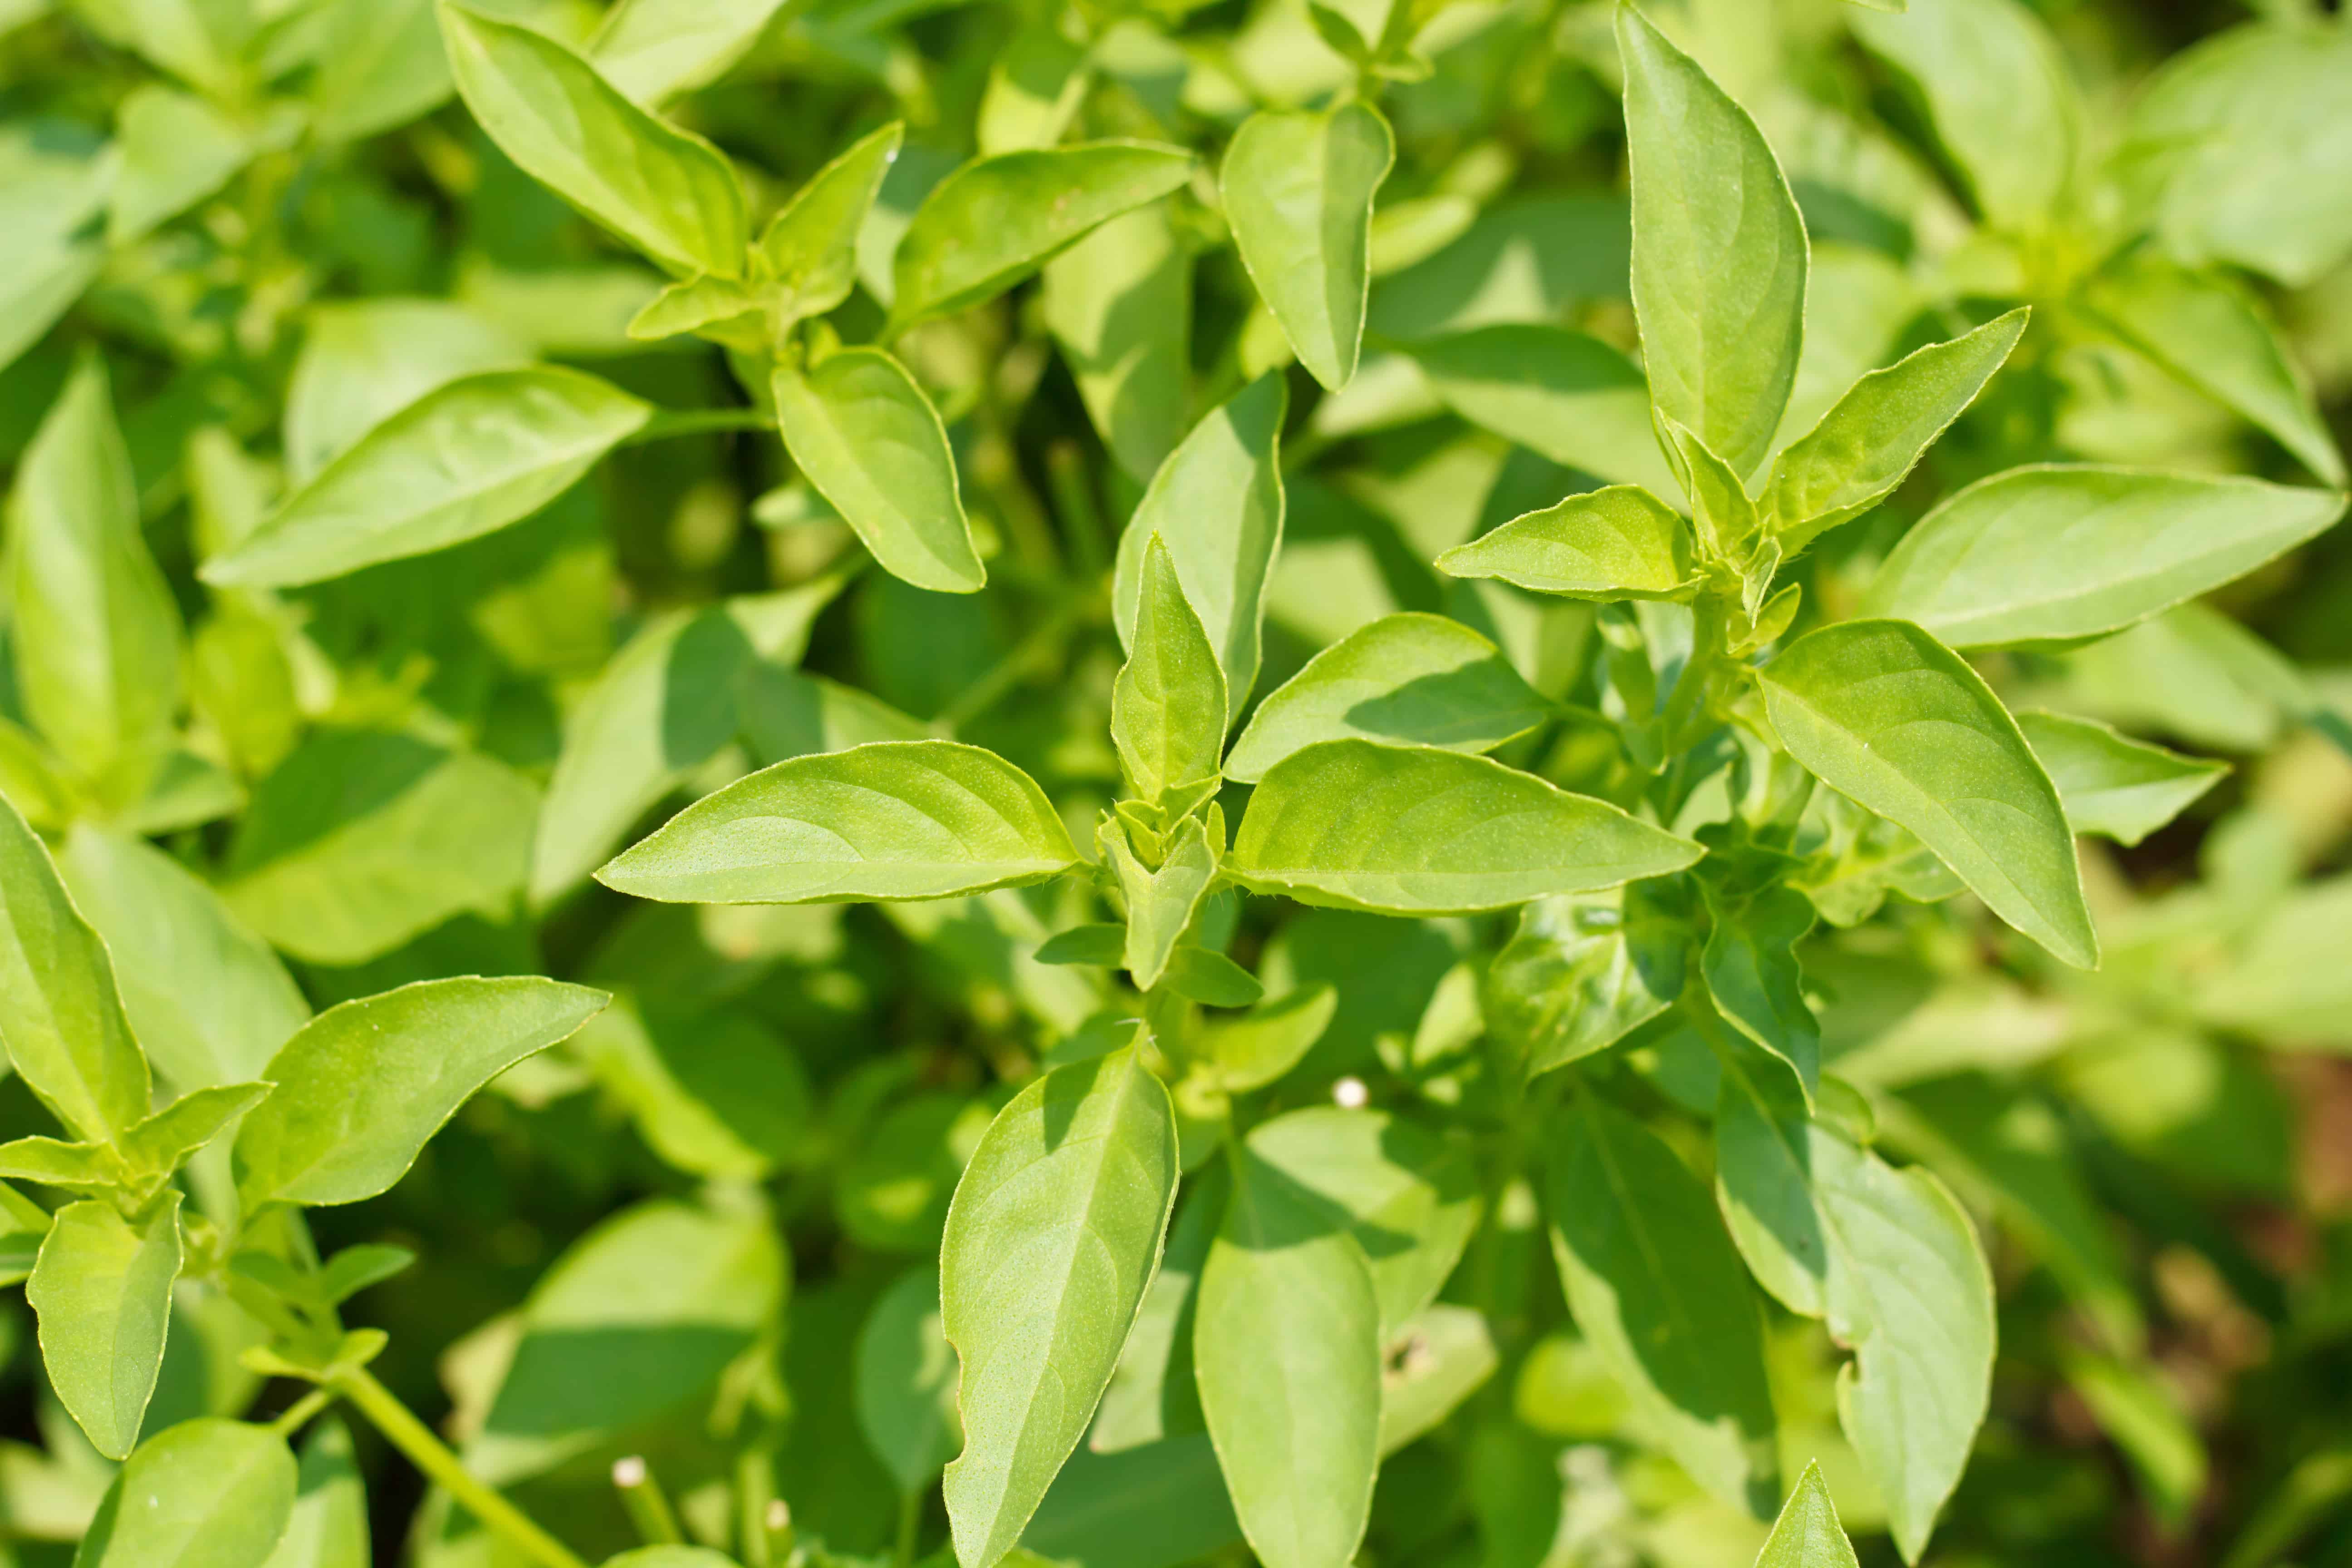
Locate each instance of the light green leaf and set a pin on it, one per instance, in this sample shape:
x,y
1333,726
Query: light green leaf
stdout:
x,y
2287,982
903,819
1661,1297
2061,551
787,714
2217,338
1807,1534
1414,830
1441,1357
177,151
203,1494
1751,965
1622,542
328,1525
464,460
60,1016
380,65
102,1291
362,360
1199,975
1873,436
1890,717
54,179
1722,511
1264,1044
96,632
163,1142
870,441
810,248
1287,1350
667,191
713,1093
1120,304
1583,972
365,1085
1563,393
1299,192
996,220
195,40
1719,252
1160,903
1053,1234
1168,706
1217,502
86,1168
1034,87
1412,679
724,309
655,49
907,1382
2111,783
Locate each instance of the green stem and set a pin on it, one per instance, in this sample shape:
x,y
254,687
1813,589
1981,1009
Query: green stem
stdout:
x,y
430,1455
1001,677
668,422
300,1411
645,1503
910,1522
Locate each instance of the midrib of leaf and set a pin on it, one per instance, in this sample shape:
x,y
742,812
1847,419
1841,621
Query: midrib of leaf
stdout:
x,y
1644,1241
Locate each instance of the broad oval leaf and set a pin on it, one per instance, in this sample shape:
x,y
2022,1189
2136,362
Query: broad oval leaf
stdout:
x,y
102,1292
810,249
365,1085
1299,192
895,819
668,193
1622,542
1167,705
1719,251
1053,1234
2111,783
1414,830
1807,1534
2062,551
1890,717
907,1382
466,459
204,1494
1413,678
1555,391
364,360
996,220
870,441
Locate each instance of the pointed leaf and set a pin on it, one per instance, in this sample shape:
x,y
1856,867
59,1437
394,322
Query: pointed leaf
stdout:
x,y
1160,903
1299,192
2111,783
1622,542
163,1141
1807,1534
810,247
102,1291
1563,393
203,1494
1167,705
655,49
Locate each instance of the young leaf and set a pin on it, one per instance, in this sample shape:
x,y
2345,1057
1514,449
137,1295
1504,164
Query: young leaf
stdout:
x,y
1873,436
177,151
1807,1534
1210,978
162,1142
1751,965
1161,904
1661,1298
996,220
1719,252
1120,304
1102,945
1286,1348
466,459
723,308
907,1382
1413,679
60,1016
2057,553
1890,717
1582,972
665,191
1299,192
1724,513
1414,830
810,247
2112,785
1555,391
900,819
1622,542
870,441
1167,705
1053,1234
211,1492
1261,1047
96,634
655,49
365,1085
102,1292
1217,503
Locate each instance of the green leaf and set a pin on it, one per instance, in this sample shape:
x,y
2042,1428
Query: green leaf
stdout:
x,y
901,819
1890,717
364,360
1034,87
907,1382
1807,1534
1414,830
1719,252
722,309
86,1168
2111,783
1119,302
102,1291
1053,1234
1217,504
328,1525
2216,337
1722,511
1661,1297
655,49
2284,981
1161,902
1440,1356
1168,706
60,1016
54,179
378,67
869,440
1262,1045
996,220
1583,972
1622,542
1210,978
2061,551
203,1494
96,632
1287,1349
1751,965
1873,436
164,1141
1102,945
810,248
713,1093
365,1085
788,714
466,459
1154,1506
1559,393
1299,192
1413,679
667,191
177,151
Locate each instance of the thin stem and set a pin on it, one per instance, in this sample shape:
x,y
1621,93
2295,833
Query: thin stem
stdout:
x,y
910,1522
645,1503
1005,674
301,1410
668,422
430,1455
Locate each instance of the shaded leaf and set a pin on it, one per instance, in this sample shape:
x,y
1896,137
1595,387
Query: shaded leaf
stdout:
x,y
2111,783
